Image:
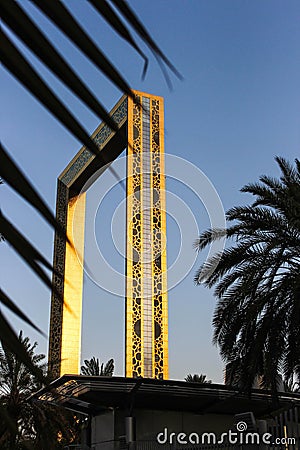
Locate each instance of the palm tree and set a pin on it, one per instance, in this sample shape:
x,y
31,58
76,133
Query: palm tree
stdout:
x,y
39,425
92,367
257,282
16,384
196,378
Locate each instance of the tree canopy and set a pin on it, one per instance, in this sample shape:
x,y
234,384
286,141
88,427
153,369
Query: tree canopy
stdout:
x,y
28,423
257,281
92,367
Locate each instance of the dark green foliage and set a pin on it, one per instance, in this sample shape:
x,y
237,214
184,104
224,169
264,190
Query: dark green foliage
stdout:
x,y
92,367
257,282
196,378
26,423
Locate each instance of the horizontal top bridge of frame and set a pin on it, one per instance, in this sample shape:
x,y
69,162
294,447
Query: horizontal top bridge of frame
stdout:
x,y
111,144
80,172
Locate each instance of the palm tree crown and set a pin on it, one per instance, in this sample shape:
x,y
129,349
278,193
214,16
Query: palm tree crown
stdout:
x,y
92,367
257,281
196,378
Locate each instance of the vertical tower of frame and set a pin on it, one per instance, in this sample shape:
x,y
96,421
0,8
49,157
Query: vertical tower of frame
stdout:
x,y
66,302
146,285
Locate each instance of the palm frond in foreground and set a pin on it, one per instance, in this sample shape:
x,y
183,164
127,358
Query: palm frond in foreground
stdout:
x,y
197,378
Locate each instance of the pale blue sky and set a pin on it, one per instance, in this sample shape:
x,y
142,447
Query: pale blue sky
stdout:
x,y
238,107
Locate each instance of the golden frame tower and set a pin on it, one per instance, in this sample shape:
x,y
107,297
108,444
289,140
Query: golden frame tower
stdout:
x,y
146,327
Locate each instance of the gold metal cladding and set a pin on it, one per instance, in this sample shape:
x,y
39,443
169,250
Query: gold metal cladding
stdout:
x,y
146,285
146,327
133,326
73,282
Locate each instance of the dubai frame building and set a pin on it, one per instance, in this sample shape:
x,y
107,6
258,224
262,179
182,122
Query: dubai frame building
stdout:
x,y
141,130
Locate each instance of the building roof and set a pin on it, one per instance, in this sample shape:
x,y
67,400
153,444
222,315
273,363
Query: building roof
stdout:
x,y
93,394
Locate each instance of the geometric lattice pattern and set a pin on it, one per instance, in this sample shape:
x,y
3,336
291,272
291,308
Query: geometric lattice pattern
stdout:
x,y
142,132
146,294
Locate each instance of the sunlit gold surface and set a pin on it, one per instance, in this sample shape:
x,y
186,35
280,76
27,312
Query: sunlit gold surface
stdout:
x,y
73,285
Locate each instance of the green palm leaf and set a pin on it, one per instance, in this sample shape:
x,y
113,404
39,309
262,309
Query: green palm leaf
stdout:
x,y
91,367
257,282
24,27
